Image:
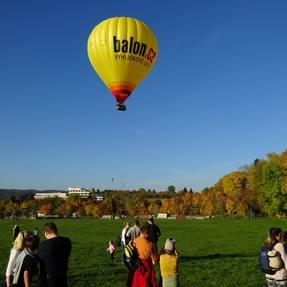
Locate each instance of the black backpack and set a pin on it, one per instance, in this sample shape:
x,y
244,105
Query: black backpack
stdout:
x,y
270,260
130,257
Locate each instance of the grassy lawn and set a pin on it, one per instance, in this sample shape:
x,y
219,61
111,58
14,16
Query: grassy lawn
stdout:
x,y
213,252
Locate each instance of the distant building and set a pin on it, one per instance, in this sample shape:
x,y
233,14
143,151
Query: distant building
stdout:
x,y
42,195
99,198
162,216
80,191
44,215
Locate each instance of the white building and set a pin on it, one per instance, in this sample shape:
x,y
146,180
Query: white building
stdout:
x,y
80,191
99,198
42,195
162,216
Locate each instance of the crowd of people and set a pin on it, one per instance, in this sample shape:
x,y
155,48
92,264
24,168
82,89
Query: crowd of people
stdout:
x,y
30,257
49,258
144,240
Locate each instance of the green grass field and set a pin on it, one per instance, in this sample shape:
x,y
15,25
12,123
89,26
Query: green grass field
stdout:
x,y
213,252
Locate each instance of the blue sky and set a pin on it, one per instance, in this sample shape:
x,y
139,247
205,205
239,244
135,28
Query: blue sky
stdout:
x,y
214,101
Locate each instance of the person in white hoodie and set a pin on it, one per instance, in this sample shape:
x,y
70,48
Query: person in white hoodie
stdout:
x,y
273,241
18,246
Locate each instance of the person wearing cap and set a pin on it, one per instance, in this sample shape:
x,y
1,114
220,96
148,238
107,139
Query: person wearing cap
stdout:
x,y
168,261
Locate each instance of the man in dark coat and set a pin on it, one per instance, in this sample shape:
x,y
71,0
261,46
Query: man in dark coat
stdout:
x,y
154,232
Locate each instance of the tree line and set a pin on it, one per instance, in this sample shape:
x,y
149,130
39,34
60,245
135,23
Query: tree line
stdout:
x,y
260,187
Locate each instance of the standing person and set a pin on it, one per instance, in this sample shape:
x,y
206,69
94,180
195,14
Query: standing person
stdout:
x,y
124,238
134,231
154,232
18,246
36,231
279,279
53,255
168,260
15,231
111,249
26,263
145,275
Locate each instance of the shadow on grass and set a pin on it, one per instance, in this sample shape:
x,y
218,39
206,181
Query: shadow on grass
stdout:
x,y
214,256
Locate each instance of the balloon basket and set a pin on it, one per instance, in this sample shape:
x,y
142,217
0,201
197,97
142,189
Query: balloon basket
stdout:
x,y
121,107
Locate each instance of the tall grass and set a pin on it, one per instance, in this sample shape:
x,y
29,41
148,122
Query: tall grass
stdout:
x,y
213,252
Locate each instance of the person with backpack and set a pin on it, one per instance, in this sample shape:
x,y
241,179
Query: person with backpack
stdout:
x,y
276,274
124,238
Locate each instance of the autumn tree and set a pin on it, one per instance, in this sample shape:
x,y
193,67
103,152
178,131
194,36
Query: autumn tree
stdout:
x,y
186,198
234,186
171,190
272,187
166,206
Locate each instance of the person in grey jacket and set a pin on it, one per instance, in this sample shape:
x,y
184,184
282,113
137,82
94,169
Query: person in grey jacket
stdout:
x,y
26,264
134,231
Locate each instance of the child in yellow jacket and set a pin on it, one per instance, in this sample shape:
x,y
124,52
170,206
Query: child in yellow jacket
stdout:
x,y
168,260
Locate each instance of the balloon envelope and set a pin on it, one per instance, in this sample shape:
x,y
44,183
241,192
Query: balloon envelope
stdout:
x,y
122,50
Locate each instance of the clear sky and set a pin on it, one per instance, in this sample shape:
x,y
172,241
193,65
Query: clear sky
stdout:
x,y
215,100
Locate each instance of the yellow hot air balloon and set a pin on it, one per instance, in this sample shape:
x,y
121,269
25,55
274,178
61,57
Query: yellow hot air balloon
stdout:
x,y
122,50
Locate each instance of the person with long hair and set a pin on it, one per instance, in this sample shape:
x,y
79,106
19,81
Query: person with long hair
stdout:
x,y
26,263
18,246
273,241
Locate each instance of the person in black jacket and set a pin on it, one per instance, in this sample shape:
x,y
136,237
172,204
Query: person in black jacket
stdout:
x,y
54,254
154,233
